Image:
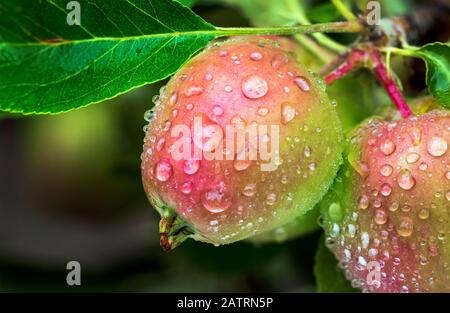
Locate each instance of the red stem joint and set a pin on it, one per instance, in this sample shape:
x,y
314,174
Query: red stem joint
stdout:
x,y
357,59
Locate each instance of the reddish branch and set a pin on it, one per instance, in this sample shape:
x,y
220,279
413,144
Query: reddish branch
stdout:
x,y
413,27
371,58
389,84
354,60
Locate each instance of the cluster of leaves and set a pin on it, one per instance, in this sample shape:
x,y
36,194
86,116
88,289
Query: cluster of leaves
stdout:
x,y
50,67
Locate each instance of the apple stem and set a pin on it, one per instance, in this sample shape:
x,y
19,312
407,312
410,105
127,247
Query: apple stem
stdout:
x,y
353,61
358,58
389,84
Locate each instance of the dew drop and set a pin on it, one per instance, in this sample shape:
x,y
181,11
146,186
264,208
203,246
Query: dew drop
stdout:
x,y
156,99
228,88
307,152
160,144
406,208
335,211
241,165
217,110
412,157
362,168
173,98
167,126
148,115
377,202
394,206
424,213
163,171
387,147
437,146
363,202
209,77
312,166
365,239
216,200
405,228
189,106
416,135
249,190
302,83
194,91
149,151
386,189
271,199
190,167
186,188
372,142
238,122
287,112
447,175
223,53
263,111
256,56
351,230
405,179
254,87
380,217
386,170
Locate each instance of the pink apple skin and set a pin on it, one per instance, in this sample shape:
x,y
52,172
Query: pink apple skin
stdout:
x,y
390,205
241,82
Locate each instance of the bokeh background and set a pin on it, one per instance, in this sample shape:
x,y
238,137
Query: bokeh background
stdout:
x,y
70,189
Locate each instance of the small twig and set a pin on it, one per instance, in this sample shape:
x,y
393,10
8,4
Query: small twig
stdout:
x,y
333,27
345,12
299,13
403,52
354,60
389,84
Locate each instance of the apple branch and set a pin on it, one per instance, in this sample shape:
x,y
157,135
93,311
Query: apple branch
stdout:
x,y
354,60
389,84
359,58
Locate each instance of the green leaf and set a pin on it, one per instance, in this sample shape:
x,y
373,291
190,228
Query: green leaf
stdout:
x,y
329,277
324,13
437,58
188,3
48,66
